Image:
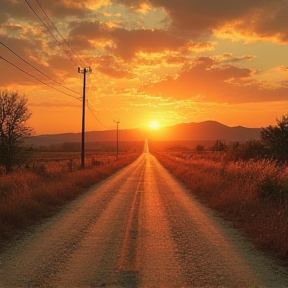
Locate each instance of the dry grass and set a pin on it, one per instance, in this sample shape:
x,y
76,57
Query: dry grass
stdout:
x,y
28,195
252,195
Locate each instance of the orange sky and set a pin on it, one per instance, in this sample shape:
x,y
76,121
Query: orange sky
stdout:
x,y
159,60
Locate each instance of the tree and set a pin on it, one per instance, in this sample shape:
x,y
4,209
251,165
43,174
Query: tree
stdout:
x,y
14,114
252,149
219,146
200,148
275,138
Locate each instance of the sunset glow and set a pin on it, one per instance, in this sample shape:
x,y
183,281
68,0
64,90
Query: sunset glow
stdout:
x,y
154,125
179,63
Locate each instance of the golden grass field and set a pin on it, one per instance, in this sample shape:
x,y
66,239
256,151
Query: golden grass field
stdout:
x,y
252,195
50,180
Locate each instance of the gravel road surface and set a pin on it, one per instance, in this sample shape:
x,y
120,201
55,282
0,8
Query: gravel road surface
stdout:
x,y
139,228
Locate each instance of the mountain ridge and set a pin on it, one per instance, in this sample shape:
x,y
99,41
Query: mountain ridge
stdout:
x,y
206,130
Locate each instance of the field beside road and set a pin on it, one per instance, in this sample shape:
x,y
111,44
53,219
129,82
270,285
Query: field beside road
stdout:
x,y
253,195
51,178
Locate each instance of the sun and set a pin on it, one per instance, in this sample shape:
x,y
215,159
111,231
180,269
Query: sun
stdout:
x,y
154,125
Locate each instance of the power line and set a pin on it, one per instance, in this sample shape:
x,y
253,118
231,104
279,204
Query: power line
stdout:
x,y
64,40
43,23
37,68
90,109
38,79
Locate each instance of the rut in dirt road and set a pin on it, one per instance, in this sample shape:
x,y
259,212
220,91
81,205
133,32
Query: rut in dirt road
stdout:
x,y
139,228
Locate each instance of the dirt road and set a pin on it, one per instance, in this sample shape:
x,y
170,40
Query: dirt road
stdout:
x,y
139,228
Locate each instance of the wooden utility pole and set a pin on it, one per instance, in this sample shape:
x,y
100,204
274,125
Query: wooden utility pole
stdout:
x,y
83,71
117,122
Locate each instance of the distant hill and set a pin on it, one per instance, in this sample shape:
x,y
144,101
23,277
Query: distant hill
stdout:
x,y
211,130
208,130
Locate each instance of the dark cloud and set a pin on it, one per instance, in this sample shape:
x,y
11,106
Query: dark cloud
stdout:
x,y
216,82
265,18
149,41
30,50
128,42
90,30
270,21
62,8
17,9
198,17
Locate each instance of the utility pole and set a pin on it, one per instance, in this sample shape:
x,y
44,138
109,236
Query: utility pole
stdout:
x,y
117,122
83,71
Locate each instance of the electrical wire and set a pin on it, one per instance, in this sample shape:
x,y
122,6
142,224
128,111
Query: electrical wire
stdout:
x,y
38,69
90,109
38,79
64,40
51,33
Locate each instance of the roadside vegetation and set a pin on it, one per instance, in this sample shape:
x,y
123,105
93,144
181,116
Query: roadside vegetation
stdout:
x,y
246,183
32,193
14,115
35,182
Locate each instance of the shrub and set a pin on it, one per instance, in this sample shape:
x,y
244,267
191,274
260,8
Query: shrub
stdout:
x,y
272,183
275,138
253,149
200,148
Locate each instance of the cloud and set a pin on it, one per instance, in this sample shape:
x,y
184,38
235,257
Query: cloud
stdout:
x,y
23,48
89,29
154,48
109,66
68,8
13,10
230,58
268,23
30,49
127,43
202,15
247,18
207,80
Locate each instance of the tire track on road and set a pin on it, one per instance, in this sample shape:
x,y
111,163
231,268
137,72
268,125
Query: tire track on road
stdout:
x,y
128,261
128,264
